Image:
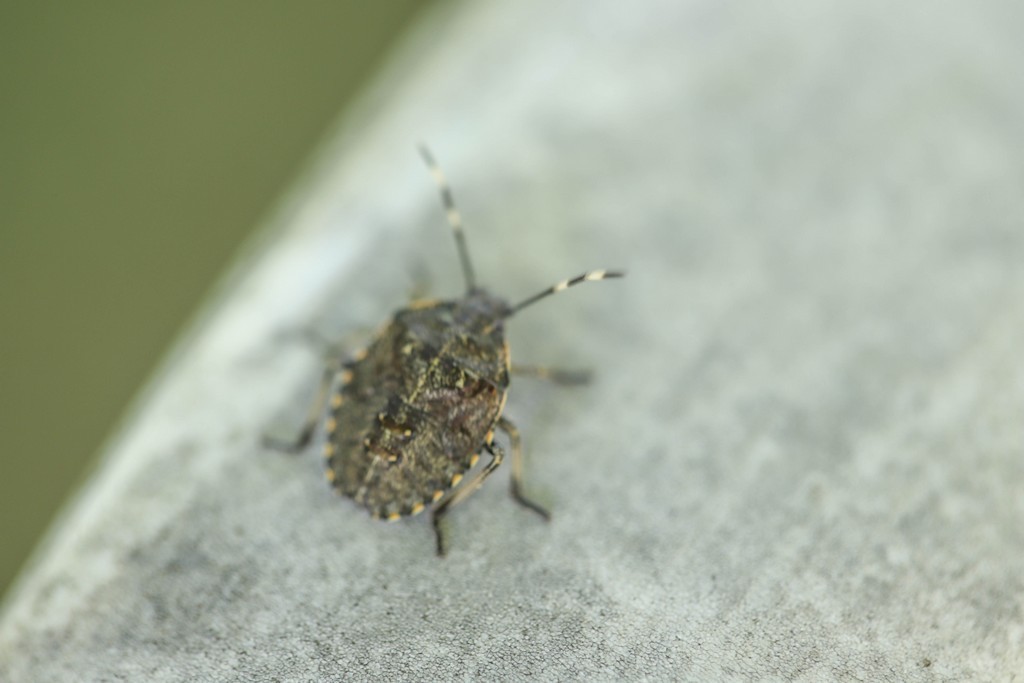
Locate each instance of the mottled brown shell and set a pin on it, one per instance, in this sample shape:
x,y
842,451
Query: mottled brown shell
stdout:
x,y
414,409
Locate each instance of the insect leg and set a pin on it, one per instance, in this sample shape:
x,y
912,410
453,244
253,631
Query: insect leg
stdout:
x,y
313,416
506,426
461,493
421,283
313,338
567,378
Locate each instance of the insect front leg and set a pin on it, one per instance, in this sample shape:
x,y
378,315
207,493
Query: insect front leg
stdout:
x,y
506,426
421,284
567,378
313,415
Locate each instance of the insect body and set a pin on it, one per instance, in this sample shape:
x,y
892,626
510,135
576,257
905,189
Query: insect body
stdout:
x,y
414,410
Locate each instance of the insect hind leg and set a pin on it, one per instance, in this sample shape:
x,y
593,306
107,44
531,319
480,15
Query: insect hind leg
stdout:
x,y
461,493
505,425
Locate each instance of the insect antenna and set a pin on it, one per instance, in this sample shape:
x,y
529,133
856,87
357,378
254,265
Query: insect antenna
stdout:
x,y
454,217
590,276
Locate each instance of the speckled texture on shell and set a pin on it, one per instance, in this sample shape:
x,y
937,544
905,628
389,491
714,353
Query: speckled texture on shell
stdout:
x,y
420,404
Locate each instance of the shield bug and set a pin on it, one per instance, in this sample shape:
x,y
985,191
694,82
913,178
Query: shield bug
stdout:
x,y
410,414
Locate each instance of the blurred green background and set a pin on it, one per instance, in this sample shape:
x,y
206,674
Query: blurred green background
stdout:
x,y
139,144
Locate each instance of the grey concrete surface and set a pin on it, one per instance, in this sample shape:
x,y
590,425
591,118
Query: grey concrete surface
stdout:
x,y
802,455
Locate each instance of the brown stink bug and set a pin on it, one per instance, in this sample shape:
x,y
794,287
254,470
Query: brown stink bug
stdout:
x,y
413,411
